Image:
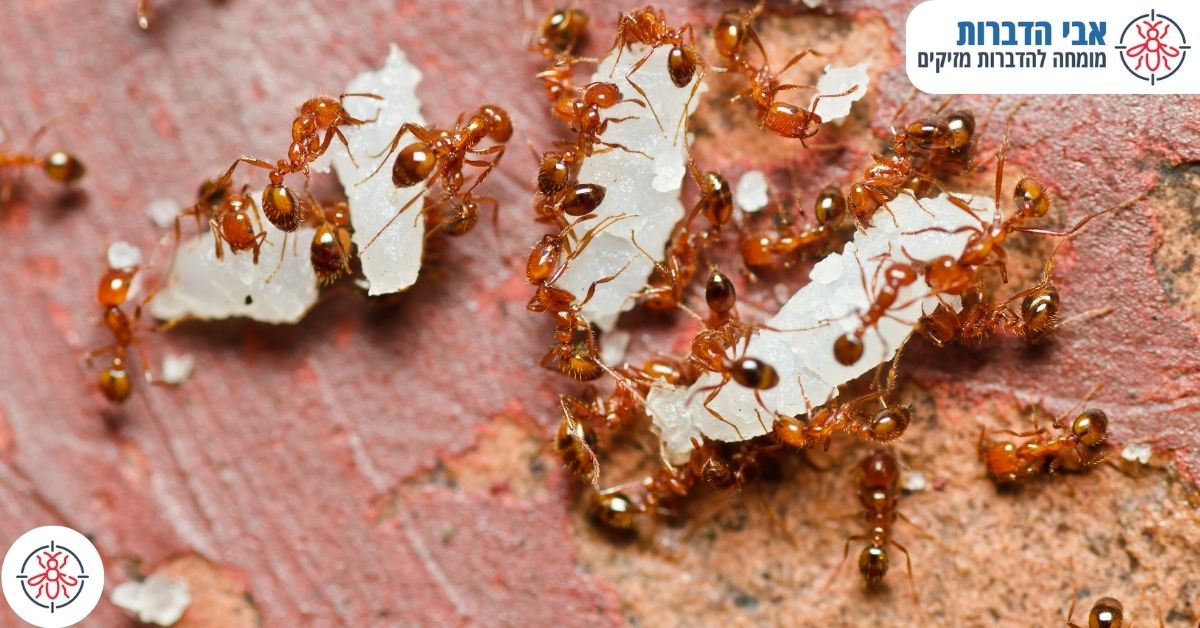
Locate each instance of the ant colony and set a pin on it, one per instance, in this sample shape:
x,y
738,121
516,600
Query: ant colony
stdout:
x,y
627,223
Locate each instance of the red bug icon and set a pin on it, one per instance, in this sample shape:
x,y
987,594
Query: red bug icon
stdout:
x,y
1153,52
52,582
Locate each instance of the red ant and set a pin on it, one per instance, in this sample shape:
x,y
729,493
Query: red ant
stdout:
x,y
561,30
1106,612
774,248
59,166
112,294
733,31
980,318
440,155
233,217
322,113
332,248
878,492
1086,436
648,26
848,348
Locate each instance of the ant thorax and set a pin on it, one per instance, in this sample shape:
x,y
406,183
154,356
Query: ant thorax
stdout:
x,y
798,341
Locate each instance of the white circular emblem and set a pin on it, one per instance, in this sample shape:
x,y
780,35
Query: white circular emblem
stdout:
x,y
52,577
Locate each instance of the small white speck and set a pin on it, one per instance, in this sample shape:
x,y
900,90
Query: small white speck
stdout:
x,y
1137,452
155,600
836,81
162,212
751,193
913,481
782,293
122,254
177,368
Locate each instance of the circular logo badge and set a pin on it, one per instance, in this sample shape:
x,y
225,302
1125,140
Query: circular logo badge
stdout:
x,y
1153,47
52,577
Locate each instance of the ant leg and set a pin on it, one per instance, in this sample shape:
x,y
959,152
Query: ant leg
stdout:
x,y
1084,221
591,291
796,58
216,233
143,14
818,97
638,88
613,145
842,563
683,115
395,216
713,395
908,562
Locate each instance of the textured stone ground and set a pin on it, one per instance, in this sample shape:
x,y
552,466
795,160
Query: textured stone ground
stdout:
x,y
383,461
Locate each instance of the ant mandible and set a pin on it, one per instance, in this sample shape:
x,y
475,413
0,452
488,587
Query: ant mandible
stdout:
x,y
59,166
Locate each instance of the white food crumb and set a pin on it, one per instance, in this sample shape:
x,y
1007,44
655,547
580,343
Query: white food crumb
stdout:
x,y
781,292
177,368
913,481
751,193
155,600
1137,452
122,254
828,306
201,286
644,187
390,263
613,346
836,81
162,212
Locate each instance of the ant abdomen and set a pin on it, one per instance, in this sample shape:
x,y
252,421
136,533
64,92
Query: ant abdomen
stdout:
x,y
282,208
413,165
63,167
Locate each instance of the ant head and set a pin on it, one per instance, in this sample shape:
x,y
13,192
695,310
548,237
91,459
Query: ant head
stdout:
x,y
754,373
681,65
322,110
873,564
1090,427
879,469
603,95
63,167
114,286
719,293
1107,612
1031,198
889,423
899,274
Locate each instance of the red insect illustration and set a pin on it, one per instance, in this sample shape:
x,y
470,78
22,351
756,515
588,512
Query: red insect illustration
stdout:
x,y
1153,52
52,582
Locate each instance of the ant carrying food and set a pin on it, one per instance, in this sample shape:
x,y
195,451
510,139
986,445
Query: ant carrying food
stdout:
x,y
59,166
321,114
648,26
733,31
1086,436
439,156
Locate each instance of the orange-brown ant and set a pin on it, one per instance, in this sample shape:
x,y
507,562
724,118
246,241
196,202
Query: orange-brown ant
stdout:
x,y
439,156
848,348
233,217
113,293
331,249
731,34
1008,461
58,166
776,247
575,441
279,203
878,477
1106,612
648,26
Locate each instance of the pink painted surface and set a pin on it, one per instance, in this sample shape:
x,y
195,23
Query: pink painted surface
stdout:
x,y
269,460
